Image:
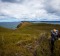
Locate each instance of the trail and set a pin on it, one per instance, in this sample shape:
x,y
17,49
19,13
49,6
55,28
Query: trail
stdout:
x,y
41,41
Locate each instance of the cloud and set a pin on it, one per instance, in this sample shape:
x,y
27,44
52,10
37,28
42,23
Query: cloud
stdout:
x,y
31,10
53,7
13,1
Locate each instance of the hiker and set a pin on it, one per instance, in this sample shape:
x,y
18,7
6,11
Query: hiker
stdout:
x,y
54,37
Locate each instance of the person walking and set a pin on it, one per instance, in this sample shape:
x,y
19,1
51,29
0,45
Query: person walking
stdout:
x,y
54,37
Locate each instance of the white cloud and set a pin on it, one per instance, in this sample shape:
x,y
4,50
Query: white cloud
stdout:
x,y
53,7
55,4
31,10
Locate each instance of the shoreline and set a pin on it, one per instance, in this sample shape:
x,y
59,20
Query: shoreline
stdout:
x,y
13,25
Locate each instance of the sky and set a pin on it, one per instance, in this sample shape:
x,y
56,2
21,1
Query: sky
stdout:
x,y
29,10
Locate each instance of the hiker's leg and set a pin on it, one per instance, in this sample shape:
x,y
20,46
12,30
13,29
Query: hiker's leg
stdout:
x,y
52,46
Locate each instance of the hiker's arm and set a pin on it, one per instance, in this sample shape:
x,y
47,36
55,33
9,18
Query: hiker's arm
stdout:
x,y
52,33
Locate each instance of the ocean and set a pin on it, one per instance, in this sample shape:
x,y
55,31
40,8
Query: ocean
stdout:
x,y
10,25
13,25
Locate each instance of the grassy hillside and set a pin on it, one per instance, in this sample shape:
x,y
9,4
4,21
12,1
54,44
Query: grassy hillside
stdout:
x,y
29,39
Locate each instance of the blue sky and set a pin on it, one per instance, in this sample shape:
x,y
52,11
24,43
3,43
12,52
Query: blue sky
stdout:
x,y
29,10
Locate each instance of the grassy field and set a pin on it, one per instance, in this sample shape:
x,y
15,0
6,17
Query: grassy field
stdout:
x,y
29,39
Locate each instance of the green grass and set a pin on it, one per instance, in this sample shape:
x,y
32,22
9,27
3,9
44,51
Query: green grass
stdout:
x,y
13,42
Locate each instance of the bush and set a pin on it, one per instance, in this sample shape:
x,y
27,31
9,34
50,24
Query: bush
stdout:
x,y
44,47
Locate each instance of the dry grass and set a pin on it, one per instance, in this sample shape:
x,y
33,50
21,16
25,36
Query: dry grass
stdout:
x,y
14,42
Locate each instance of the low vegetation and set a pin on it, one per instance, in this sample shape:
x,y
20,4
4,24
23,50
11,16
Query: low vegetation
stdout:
x,y
29,39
